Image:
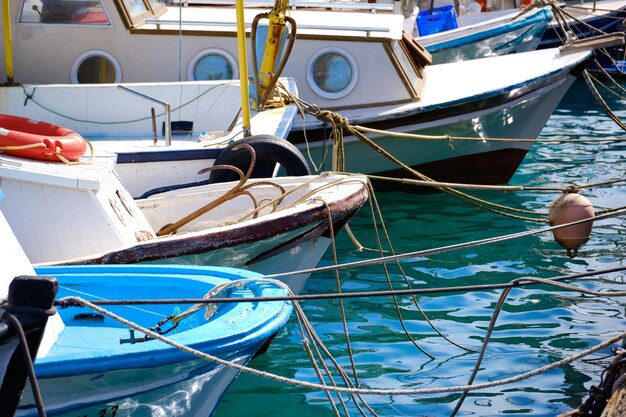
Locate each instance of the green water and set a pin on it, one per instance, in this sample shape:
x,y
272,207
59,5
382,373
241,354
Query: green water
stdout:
x,y
537,326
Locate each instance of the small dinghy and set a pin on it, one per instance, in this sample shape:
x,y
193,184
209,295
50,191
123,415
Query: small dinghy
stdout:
x,y
92,364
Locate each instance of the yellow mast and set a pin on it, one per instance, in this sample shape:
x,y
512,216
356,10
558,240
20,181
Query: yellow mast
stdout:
x,y
8,44
243,67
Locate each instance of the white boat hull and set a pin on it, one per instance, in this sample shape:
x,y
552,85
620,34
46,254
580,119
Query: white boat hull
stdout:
x,y
518,110
191,389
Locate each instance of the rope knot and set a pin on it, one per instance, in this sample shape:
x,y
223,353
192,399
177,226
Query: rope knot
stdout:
x,y
335,119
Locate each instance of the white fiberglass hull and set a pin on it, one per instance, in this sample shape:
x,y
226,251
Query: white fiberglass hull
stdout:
x,y
472,99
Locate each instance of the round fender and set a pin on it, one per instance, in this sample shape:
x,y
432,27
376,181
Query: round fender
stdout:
x,y
269,151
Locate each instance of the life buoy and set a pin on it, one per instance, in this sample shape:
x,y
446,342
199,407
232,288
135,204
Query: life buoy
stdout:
x,y
269,150
26,138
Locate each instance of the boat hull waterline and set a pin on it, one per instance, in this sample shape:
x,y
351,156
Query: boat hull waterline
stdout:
x,y
518,111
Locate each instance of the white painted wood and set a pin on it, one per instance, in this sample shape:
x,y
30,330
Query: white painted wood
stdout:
x,y
14,262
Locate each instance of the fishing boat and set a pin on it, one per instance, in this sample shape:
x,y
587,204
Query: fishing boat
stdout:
x,y
89,363
356,63
82,214
480,35
195,122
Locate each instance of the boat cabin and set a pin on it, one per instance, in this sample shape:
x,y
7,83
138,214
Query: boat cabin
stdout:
x,y
337,59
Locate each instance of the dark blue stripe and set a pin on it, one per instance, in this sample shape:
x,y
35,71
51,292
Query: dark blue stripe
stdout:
x,y
167,155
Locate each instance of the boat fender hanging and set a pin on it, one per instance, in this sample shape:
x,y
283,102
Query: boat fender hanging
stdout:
x,y
571,207
269,151
26,138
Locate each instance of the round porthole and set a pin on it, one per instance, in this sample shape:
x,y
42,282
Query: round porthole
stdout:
x,y
96,67
332,73
212,64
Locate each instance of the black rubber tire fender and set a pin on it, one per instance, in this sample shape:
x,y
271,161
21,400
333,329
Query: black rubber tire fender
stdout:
x,y
269,150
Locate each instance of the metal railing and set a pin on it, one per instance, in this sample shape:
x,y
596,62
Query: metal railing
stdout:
x,y
166,112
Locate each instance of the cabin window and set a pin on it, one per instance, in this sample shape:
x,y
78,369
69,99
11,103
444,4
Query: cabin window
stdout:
x,y
136,7
76,12
96,67
332,73
212,64
156,5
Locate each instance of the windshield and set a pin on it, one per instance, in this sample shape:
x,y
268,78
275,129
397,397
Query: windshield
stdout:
x,y
79,12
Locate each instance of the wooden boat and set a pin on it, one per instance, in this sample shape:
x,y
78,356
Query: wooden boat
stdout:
x,y
82,214
378,79
91,364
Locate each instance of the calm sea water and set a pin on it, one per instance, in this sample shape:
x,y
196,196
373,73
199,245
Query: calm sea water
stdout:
x,y
537,325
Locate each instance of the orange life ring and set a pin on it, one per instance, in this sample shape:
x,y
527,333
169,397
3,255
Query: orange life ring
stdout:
x,y
26,138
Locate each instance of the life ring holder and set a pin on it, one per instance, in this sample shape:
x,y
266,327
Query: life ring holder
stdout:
x,y
269,150
31,139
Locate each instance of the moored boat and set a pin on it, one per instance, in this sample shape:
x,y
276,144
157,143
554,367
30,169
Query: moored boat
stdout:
x,y
191,126
584,20
356,63
488,34
91,364
82,214
480,104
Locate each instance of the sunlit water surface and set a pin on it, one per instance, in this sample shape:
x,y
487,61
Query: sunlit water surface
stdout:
x,y
538,325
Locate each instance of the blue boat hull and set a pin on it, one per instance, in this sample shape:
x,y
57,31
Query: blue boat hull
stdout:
x,y
89,372
507,38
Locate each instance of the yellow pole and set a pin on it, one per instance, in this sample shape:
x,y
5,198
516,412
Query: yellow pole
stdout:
x,y
272,45
8,45
243,68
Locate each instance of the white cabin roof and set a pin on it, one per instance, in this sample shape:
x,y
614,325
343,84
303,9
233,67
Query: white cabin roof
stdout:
x,y
327,22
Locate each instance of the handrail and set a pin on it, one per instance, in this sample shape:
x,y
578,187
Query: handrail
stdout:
x,y
373,7
166,113
159,22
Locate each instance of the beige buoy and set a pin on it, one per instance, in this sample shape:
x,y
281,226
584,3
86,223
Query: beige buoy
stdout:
x,y
571,207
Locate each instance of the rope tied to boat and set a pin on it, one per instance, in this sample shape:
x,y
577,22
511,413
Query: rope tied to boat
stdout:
x,y
210,308
57,151
335,119
339,163
349,388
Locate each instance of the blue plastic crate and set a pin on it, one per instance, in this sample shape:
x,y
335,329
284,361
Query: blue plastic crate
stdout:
x,y
440,20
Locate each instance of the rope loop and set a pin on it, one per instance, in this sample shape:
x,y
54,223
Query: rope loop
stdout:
x,y
28,96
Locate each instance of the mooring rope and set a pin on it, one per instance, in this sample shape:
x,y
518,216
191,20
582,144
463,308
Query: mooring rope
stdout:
x,y
75,119
461,388
375,206
497,310
69,301
450,138
449,248
506,188
339,123
28,362
601,101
